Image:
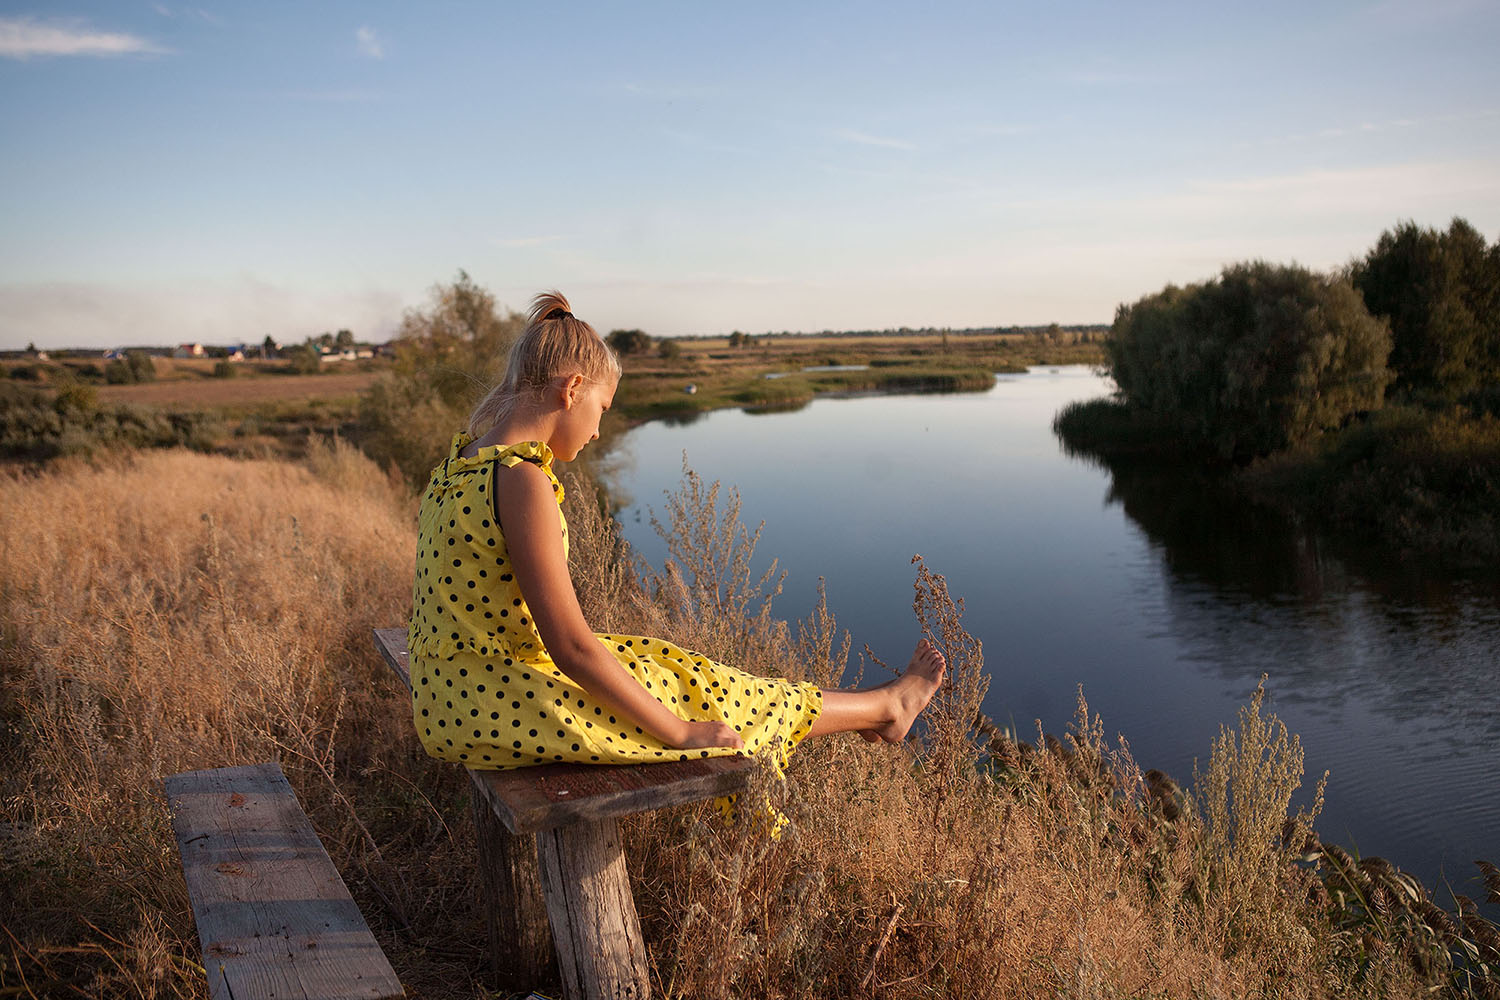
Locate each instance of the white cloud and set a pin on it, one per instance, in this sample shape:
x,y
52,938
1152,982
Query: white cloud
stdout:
x,y
23,37
865,139
369,43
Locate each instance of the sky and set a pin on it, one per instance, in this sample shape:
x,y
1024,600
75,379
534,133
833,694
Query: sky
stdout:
x,y
224,172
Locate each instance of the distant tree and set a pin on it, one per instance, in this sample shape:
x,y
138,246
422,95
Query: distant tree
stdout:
x,y
344,340
1261,358
31,349
268,347
448,354
737,339
324,339
1441,294
629,341
669,350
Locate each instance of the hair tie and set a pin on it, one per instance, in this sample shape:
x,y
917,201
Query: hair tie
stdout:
x,y
558,312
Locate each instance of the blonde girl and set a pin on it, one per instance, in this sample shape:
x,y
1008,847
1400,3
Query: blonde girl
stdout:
x,y
505,670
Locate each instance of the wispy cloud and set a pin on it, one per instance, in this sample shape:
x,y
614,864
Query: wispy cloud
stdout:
x,y
1370,127
23,37
865,139
369,43
516,242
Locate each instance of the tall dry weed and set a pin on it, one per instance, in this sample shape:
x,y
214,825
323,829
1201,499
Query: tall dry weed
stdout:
x,y
175,611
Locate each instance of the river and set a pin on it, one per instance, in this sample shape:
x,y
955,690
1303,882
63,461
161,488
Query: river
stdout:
x,y
1164,597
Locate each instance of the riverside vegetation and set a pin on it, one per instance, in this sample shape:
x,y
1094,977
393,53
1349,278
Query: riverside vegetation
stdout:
x,y
223,618
165,610
1366,401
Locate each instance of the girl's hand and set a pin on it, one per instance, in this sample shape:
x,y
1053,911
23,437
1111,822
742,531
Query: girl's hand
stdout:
x,y
699,735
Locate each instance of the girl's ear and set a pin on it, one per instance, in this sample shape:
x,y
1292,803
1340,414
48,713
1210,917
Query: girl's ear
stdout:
x,y
572,386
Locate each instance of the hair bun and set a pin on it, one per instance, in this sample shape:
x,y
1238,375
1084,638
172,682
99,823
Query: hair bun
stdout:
x,y
548,306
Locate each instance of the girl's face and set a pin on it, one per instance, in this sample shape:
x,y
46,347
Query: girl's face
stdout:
x,y
584,403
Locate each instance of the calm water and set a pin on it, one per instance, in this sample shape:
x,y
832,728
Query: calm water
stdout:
x,y
1163,598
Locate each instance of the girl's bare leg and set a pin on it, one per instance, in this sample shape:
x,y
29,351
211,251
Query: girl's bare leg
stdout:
x,y
886,712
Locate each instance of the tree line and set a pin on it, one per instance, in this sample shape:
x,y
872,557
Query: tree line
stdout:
x,y
1269,356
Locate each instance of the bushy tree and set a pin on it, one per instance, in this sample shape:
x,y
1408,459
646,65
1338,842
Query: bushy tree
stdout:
x,y
344,340
305,359
669,350
447,356
629,341
1261,358
1441,293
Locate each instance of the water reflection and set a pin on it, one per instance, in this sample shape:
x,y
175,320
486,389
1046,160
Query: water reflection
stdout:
x,y
1255,591
1163,594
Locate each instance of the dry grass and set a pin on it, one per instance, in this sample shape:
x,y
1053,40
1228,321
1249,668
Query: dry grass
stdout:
x,y
207,392
180,611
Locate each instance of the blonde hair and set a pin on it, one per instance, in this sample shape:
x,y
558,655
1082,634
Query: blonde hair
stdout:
x,y
554,342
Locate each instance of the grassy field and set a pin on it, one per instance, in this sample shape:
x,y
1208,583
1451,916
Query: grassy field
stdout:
x,y
222,617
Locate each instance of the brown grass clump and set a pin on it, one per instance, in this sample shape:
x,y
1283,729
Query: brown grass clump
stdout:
x,y
175,611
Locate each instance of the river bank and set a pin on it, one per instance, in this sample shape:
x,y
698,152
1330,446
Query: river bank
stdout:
x,y
788,372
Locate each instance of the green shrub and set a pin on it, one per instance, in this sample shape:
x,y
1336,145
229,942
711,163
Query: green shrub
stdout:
x,y
1423,481
76,396
1261,358
142,369
226,369
36,426
629,341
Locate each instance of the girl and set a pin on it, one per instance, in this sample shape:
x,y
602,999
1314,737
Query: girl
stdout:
x,y
505,671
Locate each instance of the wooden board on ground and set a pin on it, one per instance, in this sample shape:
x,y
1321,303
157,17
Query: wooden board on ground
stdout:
x,y
273,915
547,796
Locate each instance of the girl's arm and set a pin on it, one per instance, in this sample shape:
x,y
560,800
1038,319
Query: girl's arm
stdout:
x,y
528,516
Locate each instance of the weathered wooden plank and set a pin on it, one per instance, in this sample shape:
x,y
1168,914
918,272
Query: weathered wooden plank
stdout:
x,y
600,952
392,645
273,915
547,796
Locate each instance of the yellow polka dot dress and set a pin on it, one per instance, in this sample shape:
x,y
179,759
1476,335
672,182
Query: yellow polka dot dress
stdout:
x,y
485,692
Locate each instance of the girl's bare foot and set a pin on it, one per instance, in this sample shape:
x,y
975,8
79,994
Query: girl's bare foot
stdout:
x,y
910,693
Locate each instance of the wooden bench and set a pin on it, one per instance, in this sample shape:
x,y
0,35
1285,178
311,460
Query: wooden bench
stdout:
x,y
550,854
273,916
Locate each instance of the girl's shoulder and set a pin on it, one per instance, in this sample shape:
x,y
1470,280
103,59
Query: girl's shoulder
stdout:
x,y
462,450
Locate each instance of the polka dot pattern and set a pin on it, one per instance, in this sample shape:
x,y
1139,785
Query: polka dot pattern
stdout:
x,y
484,690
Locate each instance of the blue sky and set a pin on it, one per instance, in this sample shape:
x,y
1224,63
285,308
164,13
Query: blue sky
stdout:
x,y
221,172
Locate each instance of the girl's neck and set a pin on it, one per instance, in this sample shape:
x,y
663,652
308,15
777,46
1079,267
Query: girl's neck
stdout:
x,y
520,427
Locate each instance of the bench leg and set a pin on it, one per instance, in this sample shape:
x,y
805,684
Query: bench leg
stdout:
x,y
600,953
520,940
